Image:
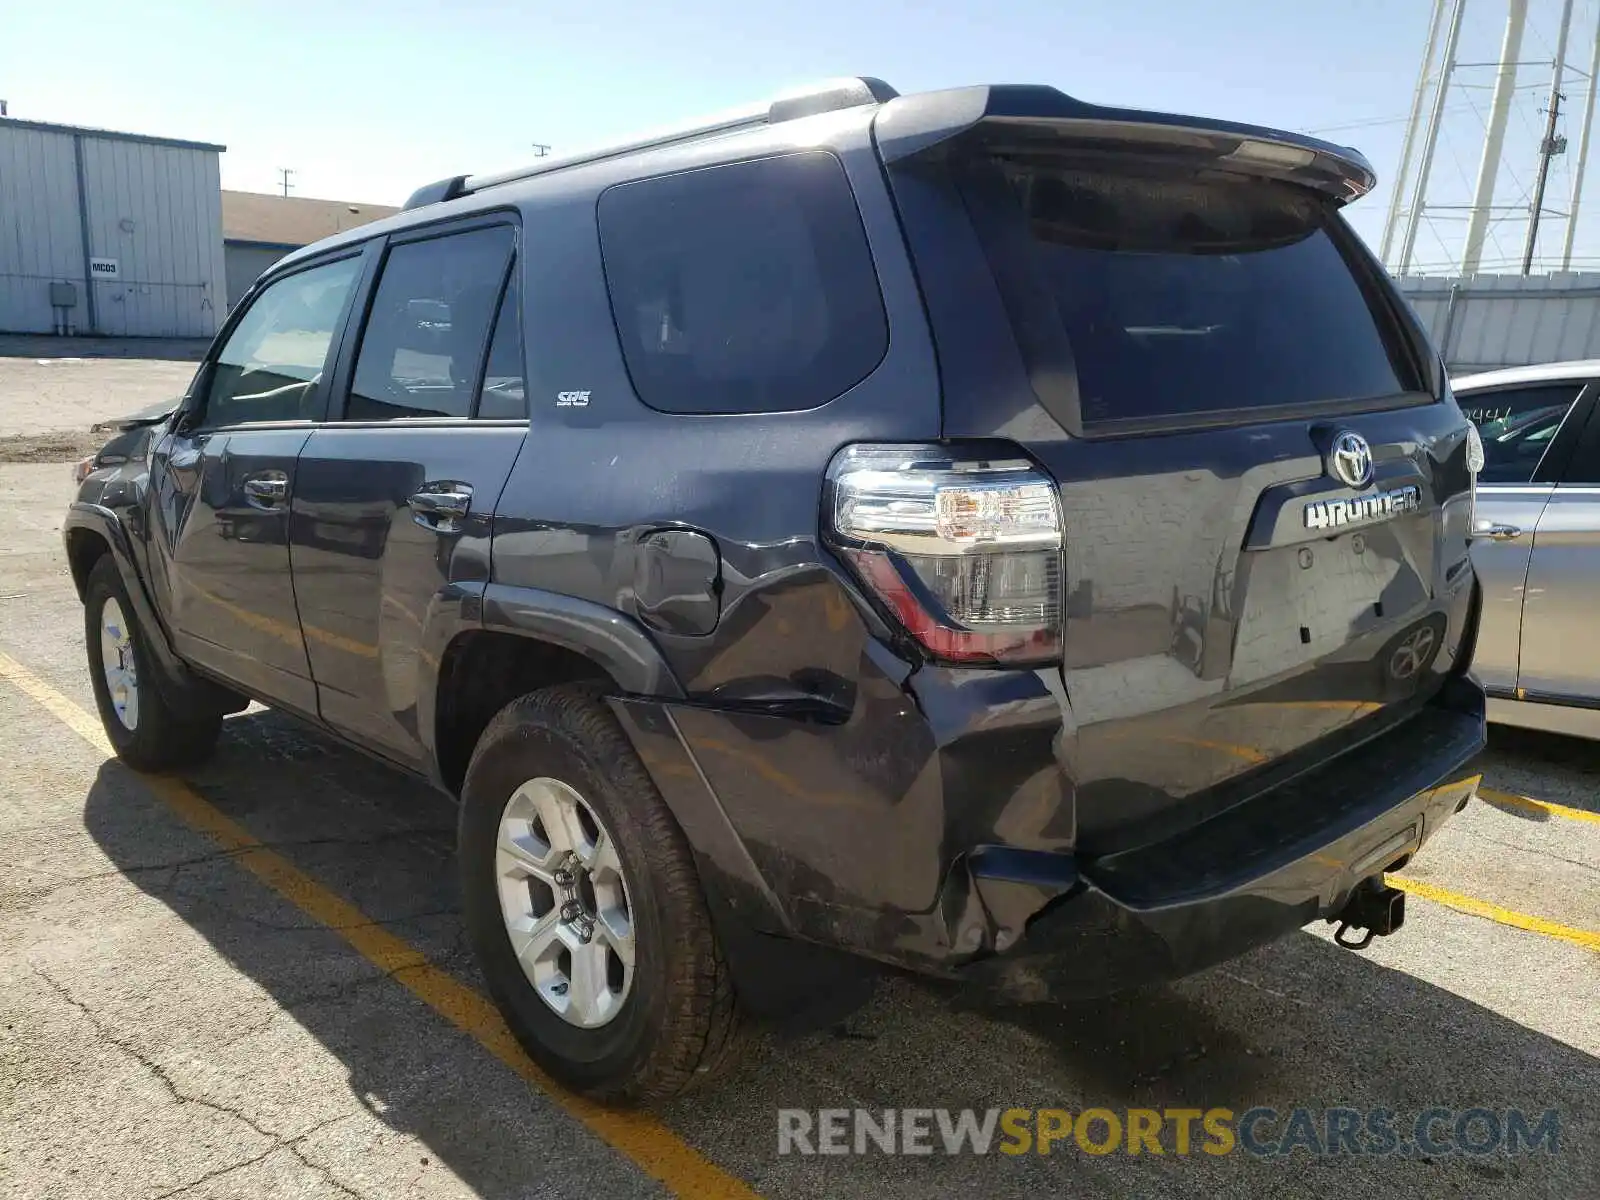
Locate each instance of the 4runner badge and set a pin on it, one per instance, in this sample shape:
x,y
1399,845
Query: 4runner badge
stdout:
x,y
572,399
1362,510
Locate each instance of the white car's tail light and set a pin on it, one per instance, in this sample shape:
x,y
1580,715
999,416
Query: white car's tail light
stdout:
x,y
964,551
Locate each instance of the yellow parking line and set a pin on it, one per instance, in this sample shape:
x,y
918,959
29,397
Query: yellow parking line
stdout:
x,y
1471,905
653,1147
1496,796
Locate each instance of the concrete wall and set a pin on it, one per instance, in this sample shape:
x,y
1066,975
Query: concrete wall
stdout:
x,y
154,207
1488,321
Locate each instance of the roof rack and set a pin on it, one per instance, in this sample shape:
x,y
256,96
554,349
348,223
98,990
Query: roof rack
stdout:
x,y
829,96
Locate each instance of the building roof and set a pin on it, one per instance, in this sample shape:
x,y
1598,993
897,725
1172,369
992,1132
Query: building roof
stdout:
x,y
110,135
291,221
1556,372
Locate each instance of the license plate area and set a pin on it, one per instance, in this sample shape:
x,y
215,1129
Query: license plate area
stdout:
x,y
1305,602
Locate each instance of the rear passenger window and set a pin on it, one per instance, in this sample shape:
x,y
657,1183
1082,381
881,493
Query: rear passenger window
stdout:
x,y
428,327
743,288
1517,426
504,393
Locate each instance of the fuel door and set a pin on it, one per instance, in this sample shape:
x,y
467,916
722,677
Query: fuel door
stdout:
x,y
677,582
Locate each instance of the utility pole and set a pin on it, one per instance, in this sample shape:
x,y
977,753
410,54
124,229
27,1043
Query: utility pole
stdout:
x,y
1392,220
283,175
1583,156
1430,141
1551,145
540,149
1505,87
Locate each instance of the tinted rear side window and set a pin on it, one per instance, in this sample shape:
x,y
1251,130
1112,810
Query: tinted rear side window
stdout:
x,y
424,341
743,288
1172,296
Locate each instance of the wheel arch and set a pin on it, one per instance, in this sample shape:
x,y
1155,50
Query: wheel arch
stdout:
x,y
85,547
527,639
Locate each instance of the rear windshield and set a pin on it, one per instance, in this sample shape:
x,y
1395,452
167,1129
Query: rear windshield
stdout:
x,y
1173,296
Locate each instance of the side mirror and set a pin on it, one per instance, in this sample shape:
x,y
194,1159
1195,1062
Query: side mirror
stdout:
x,y
194,401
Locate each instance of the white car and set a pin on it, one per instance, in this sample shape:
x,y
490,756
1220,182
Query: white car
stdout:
x,y
1537,543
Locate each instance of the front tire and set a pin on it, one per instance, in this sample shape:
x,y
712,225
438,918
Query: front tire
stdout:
x,y
582,901
147,731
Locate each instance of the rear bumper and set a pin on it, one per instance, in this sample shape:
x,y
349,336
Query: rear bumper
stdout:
x,y
1252,874
936,833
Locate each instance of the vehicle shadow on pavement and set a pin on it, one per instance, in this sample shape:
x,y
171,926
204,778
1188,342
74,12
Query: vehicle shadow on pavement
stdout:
x,y
1297,1024
1545,766
385,844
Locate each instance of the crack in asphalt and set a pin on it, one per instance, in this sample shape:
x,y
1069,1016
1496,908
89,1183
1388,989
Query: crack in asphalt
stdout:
x,y
241,912
1542,853
223,855
156,1070
292,1145
459,951
276,1141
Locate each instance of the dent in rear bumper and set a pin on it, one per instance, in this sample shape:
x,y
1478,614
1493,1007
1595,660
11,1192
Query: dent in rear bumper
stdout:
x,y
1255,872
934,832
1094,943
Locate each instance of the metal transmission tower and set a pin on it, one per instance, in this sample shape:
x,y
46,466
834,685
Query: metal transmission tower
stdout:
x,y
1411,203
1583,149
1430,142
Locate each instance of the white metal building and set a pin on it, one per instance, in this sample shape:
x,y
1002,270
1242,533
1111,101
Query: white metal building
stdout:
x,y
109,233
1482,322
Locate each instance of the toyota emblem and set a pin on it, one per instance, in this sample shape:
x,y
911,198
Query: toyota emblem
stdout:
x,y
1350,460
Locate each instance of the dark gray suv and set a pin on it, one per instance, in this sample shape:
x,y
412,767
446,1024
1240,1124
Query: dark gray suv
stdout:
x,y
979,532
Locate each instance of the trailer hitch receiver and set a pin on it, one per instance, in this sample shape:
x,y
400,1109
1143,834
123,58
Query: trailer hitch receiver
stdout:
x,y
1375,908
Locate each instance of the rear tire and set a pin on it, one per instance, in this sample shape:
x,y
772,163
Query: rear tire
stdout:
x,y
147,731
669,1022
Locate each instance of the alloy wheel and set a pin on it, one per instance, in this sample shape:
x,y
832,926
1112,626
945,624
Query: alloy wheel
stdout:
x,y
565,902
120,666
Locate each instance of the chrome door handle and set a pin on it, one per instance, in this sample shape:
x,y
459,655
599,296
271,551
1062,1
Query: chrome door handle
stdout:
x,y
1497,531
269,489
441,507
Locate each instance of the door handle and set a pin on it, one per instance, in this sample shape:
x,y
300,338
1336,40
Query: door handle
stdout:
x,y
266,489
441,507
1497,531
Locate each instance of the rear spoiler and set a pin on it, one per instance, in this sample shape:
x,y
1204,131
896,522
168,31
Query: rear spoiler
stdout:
x,y
1031,119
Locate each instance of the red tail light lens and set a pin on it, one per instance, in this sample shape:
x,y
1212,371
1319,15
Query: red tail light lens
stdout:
x,y
964,551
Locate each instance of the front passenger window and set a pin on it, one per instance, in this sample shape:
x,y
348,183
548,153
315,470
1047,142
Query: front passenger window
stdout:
x,y
269,367
1517,426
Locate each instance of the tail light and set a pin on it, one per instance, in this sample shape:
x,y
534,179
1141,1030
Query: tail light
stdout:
x,y
964,551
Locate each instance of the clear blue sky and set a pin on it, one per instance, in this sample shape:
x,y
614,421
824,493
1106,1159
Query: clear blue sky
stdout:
x,y
365,101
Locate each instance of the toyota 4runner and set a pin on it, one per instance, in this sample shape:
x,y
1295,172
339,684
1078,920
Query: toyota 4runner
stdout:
x,y
978,532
